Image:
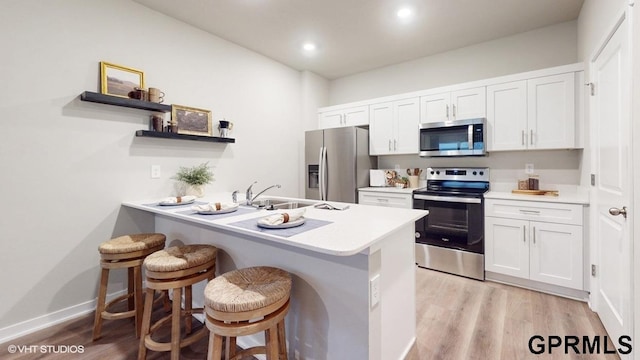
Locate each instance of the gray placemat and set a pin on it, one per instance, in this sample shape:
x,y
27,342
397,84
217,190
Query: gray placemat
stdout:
x,y
241,211
309,224
169,207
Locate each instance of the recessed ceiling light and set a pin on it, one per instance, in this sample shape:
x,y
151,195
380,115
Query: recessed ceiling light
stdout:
x,y
404,13
309,47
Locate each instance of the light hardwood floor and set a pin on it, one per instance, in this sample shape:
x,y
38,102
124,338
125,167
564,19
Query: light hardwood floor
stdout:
x,y
460,318
457,318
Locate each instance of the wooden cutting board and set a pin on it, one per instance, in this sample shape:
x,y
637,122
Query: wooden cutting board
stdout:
x,y
536,192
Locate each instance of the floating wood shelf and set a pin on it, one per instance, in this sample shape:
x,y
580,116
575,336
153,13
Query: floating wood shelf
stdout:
x,y
124,102
168,135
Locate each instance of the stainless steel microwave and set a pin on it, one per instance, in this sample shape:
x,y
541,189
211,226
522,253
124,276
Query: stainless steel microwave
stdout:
x,y
453,138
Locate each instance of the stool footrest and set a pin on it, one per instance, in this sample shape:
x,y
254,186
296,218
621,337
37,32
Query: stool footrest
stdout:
x,y
108,315
256,350
166,346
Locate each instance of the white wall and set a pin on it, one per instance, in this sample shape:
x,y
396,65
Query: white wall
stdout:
x,y
67,165
536,49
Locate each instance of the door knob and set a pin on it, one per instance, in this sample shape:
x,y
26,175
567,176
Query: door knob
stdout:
x,y
615,211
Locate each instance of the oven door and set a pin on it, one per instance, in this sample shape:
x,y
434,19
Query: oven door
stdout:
x,y
453,222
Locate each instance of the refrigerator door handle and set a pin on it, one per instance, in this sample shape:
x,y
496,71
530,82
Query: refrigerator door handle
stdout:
x,y
320,172
325,177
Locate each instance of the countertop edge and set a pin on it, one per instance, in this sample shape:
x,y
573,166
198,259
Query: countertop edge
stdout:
x,y
572,198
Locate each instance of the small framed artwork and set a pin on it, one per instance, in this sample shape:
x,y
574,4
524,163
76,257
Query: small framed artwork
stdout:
x,y
192,121
118,80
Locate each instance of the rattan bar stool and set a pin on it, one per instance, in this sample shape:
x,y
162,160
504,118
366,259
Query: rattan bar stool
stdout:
x,y
124,252
247,301
172,269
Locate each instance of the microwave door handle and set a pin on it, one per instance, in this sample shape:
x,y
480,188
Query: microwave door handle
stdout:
x,y
470,136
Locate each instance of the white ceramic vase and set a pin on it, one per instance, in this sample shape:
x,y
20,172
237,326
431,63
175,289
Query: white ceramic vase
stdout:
x,y
195,190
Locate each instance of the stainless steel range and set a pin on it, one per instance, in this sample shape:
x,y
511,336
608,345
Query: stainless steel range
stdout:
x,y
451,237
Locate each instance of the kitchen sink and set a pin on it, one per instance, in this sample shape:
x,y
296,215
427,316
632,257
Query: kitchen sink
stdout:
x,y
275,204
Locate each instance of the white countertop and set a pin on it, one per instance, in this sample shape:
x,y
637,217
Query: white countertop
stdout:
x,y
351,231
388,189
563,197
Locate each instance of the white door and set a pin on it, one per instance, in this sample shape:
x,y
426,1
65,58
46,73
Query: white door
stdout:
x,y
434,108
556,254
407,117
507,116
469,104
356,116
507,246
381,128
331,119
610,113
551,112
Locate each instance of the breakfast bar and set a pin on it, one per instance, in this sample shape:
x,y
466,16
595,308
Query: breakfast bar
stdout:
x,y
353,293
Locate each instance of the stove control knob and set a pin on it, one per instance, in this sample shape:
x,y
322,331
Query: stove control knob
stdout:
x,y
432,172
475,173
417,235
437,172
481,173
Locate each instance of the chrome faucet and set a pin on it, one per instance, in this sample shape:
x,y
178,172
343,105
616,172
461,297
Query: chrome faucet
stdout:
x,y
250,199
234,196
249,194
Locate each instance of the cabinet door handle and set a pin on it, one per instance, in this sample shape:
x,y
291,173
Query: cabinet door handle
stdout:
x,y
531,137
447,111
524,234
395,145
534,235
522,137
389,144
454,110
383,200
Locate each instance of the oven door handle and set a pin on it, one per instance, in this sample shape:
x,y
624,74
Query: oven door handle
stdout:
x,y
448,199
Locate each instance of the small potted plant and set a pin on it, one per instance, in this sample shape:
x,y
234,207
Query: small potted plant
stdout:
x,y
194,179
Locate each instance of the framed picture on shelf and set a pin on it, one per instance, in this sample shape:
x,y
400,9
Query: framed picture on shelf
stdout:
x,y
192,121
118,80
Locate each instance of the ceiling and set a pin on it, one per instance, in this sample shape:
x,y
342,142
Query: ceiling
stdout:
x,y
359,35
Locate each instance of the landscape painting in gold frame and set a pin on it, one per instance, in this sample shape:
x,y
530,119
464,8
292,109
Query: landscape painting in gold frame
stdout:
x,y
118,80
192,121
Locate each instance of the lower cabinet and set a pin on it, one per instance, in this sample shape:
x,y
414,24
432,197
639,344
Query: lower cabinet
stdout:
x,y
547,252
389,199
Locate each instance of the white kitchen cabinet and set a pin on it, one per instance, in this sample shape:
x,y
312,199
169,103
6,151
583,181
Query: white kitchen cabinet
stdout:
x,y
537,113
521,242
455,105
353,116
393,127
388,199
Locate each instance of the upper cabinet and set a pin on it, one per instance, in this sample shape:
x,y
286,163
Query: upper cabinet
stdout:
x,y
393,127
455,105
537,113
353,116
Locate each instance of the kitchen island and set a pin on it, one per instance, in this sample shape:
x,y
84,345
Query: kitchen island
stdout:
x,y
353,294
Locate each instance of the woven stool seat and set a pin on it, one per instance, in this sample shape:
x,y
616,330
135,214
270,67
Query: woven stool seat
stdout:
x,y
177,258
174,269
247,289
244,302
131,243
124,252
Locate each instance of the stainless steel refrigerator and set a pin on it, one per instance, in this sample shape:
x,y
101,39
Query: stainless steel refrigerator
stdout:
x,y
337,163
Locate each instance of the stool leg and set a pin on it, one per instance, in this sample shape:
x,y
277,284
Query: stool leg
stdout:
x,y
271,340
131,288
230,347
146,323
102,298
188,321
282,341
215,347
137,274
175,324
166,304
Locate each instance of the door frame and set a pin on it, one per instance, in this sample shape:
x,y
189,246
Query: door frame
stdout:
x,y
625,14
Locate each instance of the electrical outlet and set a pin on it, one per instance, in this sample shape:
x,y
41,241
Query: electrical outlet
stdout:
x,y
375,290
155,171
528,168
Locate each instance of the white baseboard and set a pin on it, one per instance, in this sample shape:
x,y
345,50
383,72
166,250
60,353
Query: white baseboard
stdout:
x,y
41,322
